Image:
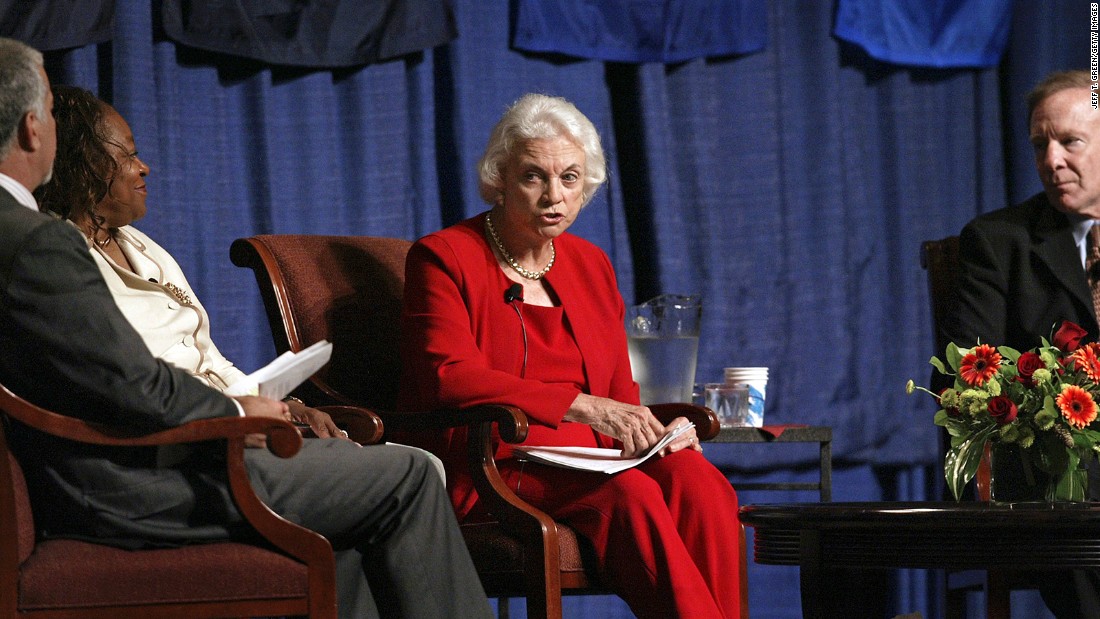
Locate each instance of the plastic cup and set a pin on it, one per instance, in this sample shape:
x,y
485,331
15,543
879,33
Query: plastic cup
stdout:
x,y
729,402
755,379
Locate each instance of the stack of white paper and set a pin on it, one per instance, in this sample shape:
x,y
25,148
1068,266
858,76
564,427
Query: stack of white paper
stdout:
x,y
277,379
595,458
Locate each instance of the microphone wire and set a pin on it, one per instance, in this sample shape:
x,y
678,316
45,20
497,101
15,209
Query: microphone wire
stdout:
x,y
523,328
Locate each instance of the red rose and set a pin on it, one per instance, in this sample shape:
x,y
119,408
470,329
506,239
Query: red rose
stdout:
x,y
1068,336
1002,410
1026,366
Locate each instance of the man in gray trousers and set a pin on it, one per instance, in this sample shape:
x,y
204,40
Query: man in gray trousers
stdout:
x,y
64,345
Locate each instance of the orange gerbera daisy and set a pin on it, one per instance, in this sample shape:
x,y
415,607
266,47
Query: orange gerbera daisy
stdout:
x,y
1085,358
979,365
1077,406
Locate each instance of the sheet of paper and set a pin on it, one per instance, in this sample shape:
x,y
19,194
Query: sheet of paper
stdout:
x,y
595,458
277,379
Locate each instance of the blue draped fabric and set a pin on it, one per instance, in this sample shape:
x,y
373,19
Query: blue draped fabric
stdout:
x,y
310,33
57,25
641,30
791,187
927,33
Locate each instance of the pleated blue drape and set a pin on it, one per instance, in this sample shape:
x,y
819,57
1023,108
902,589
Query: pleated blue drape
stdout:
x,y
791,187
641,30
927,33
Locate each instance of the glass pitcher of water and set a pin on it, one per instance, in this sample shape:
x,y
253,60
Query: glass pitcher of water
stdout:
x,y
662,337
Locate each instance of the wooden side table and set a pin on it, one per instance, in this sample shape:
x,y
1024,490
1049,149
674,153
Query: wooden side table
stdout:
x,y
822,537
823,435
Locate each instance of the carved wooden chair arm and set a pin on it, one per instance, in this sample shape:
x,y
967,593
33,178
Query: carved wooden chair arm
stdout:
x,y
705,420
512,422
532,524
363,425
283,440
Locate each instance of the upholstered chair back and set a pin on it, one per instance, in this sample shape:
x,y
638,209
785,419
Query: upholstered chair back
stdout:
x,y
346,289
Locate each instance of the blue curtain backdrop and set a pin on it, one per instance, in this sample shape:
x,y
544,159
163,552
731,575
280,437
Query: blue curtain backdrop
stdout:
x,y
791,187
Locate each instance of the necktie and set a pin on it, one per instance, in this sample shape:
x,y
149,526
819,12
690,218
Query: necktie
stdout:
x,y
1092,266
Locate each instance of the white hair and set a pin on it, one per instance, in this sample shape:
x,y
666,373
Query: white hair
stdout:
x,y
536,117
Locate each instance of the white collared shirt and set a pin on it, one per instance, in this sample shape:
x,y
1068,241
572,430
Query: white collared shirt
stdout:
x,y
21,194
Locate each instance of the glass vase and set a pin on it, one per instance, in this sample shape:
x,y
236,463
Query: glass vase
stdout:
x,y
1015,477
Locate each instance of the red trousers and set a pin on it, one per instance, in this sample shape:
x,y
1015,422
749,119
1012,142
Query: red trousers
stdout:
x,y
665,533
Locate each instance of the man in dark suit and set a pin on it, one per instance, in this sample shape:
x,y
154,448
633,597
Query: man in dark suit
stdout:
x,y
65,345
1022,268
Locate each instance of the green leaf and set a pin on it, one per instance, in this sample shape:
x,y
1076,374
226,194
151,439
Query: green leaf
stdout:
x,y
936,363
941,418
1054,456
1009,353
1086,437
1071,481
956,430
961,462
954,356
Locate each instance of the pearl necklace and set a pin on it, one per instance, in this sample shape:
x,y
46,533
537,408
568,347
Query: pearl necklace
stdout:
x,y
528,274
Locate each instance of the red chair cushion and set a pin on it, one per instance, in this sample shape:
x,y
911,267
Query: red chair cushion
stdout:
x,y
24,520
496,553
69,573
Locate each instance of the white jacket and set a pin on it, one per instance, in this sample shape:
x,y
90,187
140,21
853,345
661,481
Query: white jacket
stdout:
x,y
159,303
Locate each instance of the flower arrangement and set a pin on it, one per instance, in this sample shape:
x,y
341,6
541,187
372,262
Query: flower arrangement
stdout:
x,y
1044,401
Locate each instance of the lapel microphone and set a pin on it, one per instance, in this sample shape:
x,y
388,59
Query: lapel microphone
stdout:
x,y
513,294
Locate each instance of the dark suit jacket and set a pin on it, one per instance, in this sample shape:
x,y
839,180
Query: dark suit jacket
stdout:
x,y
64,345
1020,276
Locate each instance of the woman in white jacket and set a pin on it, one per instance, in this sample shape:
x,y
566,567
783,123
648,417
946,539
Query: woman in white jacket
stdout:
x,y
98,184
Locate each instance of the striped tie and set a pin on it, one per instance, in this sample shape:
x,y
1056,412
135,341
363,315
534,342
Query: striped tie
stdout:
x,y
1092,266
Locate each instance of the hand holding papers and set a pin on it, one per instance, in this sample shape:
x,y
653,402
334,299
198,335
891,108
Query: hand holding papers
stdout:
x,y
277,379
595,458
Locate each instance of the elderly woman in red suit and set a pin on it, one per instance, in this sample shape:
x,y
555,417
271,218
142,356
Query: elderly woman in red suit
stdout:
x,y
509,308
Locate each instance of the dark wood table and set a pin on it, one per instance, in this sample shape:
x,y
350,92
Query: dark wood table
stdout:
x,y
822,435
821,538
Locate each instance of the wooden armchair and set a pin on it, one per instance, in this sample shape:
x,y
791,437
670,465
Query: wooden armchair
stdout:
x,y
349,291
63,578
940,259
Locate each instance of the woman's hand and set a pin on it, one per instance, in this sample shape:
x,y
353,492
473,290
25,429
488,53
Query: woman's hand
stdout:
x,y
318,421
633,425
687,440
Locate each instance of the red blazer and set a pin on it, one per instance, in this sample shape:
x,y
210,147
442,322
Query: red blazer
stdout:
x,y
462,345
